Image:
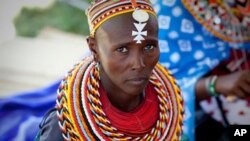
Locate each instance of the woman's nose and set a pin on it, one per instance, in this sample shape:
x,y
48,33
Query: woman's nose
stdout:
x,y
138,62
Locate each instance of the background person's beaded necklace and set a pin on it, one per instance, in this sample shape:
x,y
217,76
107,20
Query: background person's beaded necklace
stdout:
x,y
81,115
228,20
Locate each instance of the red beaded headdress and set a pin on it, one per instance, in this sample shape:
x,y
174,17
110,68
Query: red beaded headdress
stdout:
x,y
102,10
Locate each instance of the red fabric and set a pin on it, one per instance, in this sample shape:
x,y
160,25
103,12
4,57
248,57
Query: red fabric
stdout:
x,y
235,55
137,122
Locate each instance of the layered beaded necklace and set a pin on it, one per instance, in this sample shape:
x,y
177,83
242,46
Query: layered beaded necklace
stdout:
x,y
82,116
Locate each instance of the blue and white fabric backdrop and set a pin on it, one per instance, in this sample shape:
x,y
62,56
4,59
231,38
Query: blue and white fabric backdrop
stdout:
x,y
188,50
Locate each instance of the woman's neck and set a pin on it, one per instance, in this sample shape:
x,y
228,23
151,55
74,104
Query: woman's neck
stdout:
x,y
118,98
123,102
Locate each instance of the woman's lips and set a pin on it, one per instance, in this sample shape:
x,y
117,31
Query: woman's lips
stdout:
x,y
138,80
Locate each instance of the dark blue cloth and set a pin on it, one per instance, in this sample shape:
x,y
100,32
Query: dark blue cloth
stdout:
x,y
49,128
22,113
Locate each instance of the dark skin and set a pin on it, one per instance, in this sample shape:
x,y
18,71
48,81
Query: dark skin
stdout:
x,y
235,84
125,66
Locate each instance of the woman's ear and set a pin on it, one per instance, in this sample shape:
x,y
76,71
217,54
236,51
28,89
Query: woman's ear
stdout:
x,y
92,46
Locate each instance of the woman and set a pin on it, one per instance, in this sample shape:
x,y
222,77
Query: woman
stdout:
x,y
120,92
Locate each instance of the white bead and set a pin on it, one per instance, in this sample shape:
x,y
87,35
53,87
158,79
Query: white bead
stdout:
x,y
140,15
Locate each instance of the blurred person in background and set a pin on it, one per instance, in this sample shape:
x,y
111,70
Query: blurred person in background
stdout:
x,y
205,44
120,92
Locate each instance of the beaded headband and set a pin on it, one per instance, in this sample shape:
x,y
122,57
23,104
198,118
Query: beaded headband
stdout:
x,y
102,10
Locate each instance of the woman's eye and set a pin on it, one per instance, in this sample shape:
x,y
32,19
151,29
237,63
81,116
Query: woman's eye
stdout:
x,y
149,48
122,49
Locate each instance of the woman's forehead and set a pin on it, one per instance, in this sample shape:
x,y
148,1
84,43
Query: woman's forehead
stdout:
x,y
124,28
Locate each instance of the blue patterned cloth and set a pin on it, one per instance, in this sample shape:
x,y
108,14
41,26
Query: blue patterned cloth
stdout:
x,y
188,50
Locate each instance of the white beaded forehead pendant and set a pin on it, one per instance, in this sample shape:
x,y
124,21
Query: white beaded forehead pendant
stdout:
x,y
141,17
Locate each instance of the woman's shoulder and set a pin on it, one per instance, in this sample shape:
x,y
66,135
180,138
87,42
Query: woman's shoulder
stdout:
x,y
49,127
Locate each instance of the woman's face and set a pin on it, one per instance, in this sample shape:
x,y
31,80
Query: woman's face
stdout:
x,y
124,64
